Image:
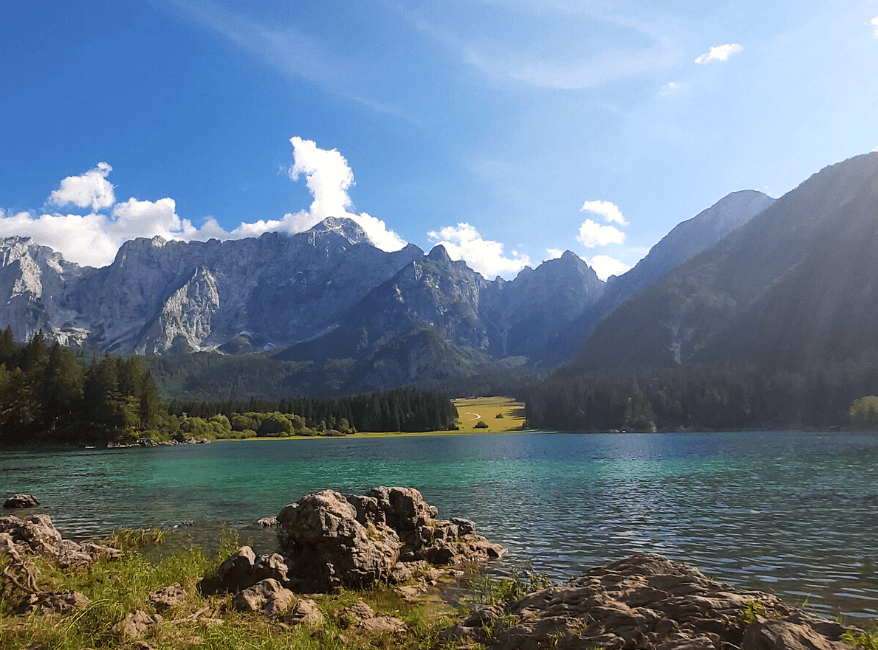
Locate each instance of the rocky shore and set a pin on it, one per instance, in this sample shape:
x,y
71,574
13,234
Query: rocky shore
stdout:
x,y
648,602
389,541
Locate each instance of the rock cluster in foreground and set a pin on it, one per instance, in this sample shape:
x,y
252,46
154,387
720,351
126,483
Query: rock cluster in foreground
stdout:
x,y
646,602
328,541
37,535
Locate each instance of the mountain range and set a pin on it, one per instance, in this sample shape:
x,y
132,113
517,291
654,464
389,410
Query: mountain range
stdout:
x,y
790,280
796,286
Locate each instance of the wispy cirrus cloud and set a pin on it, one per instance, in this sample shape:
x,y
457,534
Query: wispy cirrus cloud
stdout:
x,y
292,52
719,53
567,46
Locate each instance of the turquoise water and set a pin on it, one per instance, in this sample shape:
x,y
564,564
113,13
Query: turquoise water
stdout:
x,y
788,512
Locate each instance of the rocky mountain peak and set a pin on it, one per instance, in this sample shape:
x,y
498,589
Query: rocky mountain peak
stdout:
x,y
439,254
338,227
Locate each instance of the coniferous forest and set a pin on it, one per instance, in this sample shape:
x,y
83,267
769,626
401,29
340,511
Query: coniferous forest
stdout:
x,y
702,397
52,395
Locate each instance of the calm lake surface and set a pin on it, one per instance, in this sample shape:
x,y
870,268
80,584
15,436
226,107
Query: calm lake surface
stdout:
x,y
788,512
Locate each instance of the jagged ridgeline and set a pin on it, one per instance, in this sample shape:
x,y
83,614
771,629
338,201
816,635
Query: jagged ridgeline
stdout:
x,y
325,312
52,395
775,325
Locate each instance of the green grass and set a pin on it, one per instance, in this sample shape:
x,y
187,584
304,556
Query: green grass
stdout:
x,y
117,588
486,410
505,592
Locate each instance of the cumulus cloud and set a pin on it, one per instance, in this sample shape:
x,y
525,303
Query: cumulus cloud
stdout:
x,y
329,177
875,25
94,239
482,255
91,189
719,53
605,209
593,234
605,266
554,253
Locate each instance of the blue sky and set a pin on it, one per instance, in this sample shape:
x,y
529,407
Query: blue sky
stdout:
x,y
510,129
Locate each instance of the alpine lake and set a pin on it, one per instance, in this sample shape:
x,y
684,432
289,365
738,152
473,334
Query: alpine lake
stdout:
x,y
793,513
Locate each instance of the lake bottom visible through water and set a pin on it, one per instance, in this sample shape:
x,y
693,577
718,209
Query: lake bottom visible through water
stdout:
x,y
787,512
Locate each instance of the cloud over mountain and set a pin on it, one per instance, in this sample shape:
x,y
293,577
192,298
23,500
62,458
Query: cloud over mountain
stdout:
x,y
93,239
482,255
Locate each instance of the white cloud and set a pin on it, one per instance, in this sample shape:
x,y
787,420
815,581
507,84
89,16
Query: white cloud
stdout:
x,y
484,256
605,209
91,189
719,53
94,239
329,177
875,25
593,234
554,253
605,266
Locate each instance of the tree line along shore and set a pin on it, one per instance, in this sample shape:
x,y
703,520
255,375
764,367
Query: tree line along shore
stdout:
x,y
50,395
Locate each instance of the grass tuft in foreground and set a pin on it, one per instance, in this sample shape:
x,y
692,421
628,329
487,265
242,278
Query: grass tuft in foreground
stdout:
x,y
118,588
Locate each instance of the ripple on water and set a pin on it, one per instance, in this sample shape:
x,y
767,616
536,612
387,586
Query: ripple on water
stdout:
x,y
794,513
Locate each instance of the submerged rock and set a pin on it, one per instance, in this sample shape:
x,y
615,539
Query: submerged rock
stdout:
x,y
21,501
647,602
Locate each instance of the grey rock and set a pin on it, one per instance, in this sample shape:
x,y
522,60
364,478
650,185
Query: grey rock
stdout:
x,y
383,625
37,535
359,611
267,522
647,602
304,612
136,624
243,569
47,604
167,597
328,548
330,541
168,296
21,501
267,597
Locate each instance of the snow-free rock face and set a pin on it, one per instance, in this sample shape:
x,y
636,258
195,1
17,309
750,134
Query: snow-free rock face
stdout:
x,y
184,323
33,283
169,296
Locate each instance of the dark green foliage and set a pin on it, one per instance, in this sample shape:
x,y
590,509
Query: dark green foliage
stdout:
x,y
701,397
408,410
48,396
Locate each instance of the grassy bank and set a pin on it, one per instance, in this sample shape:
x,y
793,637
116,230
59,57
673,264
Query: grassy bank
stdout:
x,y
118,588
499,414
